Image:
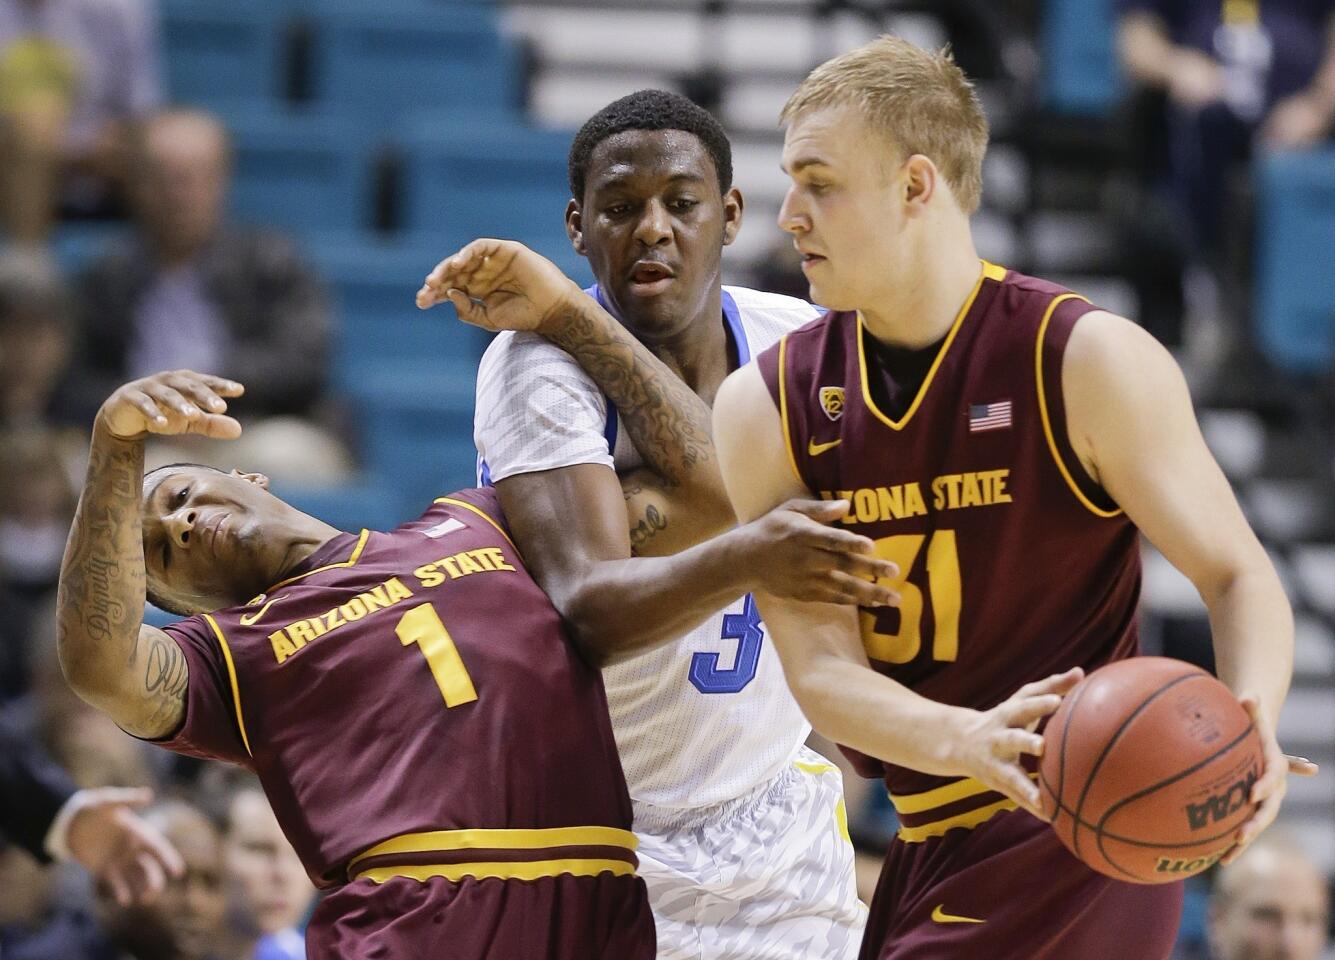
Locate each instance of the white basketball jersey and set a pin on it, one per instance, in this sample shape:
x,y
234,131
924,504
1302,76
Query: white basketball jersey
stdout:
x,y
706,717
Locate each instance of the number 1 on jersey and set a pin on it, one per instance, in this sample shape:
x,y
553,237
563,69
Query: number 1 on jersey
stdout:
x,y
421,625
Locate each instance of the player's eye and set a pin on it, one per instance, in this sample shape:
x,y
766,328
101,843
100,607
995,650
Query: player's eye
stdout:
x,y
684,204
617,209
181,494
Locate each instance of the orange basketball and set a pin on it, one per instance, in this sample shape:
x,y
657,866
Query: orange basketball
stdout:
x,y
1148,768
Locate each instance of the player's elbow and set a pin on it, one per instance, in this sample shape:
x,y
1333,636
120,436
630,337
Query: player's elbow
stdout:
x,y
88,673
591,626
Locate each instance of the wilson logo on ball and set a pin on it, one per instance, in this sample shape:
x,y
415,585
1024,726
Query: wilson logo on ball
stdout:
x,y
1220,806
1187,867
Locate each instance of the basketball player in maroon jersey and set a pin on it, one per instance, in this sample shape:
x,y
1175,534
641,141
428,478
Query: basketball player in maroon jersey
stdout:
x,y
435,748
1002,441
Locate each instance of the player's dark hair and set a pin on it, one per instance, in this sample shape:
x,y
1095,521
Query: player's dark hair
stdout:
x,y
150,483
650,110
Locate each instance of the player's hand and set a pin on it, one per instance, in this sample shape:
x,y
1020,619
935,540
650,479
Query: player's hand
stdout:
x,y
172,403
501,285
1270,787
989,745
126,855
793,553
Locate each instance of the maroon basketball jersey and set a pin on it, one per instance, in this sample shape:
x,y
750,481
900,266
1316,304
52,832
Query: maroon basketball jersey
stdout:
x,y
412,705
1014,565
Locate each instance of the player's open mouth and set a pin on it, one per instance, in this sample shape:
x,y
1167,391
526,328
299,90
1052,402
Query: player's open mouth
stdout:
x,y
810,260
650,277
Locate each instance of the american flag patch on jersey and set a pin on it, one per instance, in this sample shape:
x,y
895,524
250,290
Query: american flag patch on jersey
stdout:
x,y
989,416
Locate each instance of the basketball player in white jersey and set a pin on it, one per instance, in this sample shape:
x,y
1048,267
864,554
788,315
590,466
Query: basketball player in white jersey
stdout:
x,y
743,837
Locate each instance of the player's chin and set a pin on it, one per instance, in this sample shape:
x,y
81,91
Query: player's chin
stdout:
x,y
657,316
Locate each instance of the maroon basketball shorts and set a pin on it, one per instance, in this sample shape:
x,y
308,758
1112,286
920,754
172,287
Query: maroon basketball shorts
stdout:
x,y
1008,890
601,917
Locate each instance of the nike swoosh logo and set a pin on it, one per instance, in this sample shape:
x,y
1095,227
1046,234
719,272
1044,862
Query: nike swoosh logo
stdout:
x,y
940,916
815,449
250,619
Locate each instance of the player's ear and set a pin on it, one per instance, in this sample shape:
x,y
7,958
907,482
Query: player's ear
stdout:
x,y
575,226
920,176
732,215
259,479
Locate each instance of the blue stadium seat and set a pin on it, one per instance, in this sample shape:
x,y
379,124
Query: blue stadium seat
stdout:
x,y
373,283
417,427
384,63
221,52
1078,59
75,245
363,503
1295,285
502,180
299,171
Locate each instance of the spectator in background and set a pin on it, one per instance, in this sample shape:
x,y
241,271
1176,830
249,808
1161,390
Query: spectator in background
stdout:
x,y
37,503
265,871
42,812
36,342
1272,903
192,291
73,75
193,919
1231,70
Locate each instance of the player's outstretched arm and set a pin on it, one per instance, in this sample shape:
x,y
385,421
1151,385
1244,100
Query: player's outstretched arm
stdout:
x,y
1132,425
134,673
820,644
679,499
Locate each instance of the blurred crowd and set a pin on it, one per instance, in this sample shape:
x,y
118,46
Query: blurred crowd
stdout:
x,y
86,134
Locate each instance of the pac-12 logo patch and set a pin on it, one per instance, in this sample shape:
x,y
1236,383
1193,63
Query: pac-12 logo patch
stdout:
x,y
832,401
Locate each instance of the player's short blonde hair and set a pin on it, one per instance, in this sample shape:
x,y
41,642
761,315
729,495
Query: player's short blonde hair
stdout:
x,y
920,100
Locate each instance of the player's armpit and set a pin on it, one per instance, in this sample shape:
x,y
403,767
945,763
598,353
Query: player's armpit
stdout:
x,y
661,519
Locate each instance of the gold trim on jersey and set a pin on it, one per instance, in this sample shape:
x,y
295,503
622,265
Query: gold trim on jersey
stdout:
x,y
523,870
783,407
231,676
1043,411
966,821
350,562
943,796
500,839
481,513
989,271
939,796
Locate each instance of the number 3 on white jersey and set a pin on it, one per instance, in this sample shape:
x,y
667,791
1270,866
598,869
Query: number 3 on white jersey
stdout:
x,y
746,629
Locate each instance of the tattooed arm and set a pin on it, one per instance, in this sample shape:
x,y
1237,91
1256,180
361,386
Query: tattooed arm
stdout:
x,y
678,498
626,587
134,673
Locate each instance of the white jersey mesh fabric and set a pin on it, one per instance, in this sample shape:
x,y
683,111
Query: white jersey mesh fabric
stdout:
x,y
707,717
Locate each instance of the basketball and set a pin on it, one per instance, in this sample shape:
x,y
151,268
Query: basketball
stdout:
x,y
1147,769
